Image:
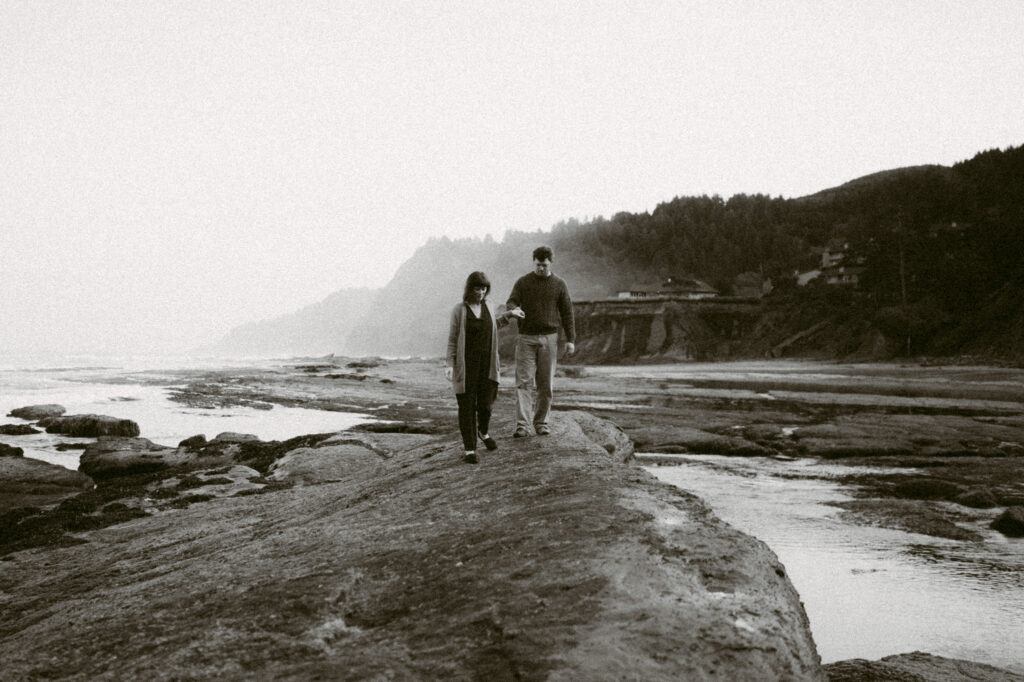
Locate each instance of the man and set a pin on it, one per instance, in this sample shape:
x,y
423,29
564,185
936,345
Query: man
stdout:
x,y
545,304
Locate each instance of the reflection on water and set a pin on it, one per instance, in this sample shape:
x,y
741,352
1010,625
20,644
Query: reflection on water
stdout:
x,y
160,420
868,592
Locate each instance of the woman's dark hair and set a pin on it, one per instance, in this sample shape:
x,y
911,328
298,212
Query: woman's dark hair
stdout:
x,y
476,279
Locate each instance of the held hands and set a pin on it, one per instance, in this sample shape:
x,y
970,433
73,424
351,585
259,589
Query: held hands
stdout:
x,y
448,371
570,348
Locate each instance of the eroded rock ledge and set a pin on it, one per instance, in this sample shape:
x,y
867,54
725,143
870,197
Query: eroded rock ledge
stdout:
x,y
917,666
549,559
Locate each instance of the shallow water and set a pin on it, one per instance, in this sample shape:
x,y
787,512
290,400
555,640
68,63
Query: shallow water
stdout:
x,y
92,391
868,592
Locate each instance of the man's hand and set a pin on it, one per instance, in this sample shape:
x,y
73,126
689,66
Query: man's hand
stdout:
x,y
570,348
448,372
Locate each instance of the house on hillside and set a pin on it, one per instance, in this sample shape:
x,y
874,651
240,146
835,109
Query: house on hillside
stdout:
x,y
834,253
671,287
750,285
802,278
843,274
837,267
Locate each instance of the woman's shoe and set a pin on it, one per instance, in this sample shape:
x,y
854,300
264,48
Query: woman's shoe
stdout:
x,y
470,457
488,442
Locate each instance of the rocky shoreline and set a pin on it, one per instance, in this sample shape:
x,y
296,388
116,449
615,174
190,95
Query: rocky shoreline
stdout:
x,y
375,553
955,461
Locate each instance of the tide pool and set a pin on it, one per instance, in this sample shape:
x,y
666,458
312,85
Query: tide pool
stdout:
x,y
868,592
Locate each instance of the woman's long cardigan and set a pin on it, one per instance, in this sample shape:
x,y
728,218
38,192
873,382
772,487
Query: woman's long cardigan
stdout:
x,y
457,346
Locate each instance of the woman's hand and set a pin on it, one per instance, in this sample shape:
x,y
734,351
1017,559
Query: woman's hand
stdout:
x,y
516,312
448,372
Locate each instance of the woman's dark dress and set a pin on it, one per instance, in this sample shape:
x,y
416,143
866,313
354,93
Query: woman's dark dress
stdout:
x,y
475,403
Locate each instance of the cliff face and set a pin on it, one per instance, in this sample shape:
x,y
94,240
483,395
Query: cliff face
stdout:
x,y
552,558
663,330
615,331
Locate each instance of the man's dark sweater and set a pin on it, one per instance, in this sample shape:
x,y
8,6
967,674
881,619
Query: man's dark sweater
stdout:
x,y
545,300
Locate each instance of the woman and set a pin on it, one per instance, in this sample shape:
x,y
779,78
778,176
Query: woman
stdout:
x,y
472,361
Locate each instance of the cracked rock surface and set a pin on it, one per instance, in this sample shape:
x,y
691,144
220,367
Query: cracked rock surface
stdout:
x,y
553,558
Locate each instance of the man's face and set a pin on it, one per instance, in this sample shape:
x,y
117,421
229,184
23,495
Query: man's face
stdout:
x,y
542,268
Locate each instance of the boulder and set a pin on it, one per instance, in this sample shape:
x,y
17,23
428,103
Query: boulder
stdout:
x,y
346,461
90,426
193,442
605,433
978,498
230,437
17,430
27,482
35,412
109,457
1011,522
10,451
765,432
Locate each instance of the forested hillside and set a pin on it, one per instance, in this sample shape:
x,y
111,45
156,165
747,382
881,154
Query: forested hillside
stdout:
x,y
940,249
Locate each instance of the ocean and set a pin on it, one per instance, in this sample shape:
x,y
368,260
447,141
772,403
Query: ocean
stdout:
x,y
137,388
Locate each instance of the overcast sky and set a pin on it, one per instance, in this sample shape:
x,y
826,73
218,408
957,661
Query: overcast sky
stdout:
x,y
169,170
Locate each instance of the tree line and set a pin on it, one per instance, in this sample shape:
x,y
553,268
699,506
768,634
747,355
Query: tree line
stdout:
x,y
939,249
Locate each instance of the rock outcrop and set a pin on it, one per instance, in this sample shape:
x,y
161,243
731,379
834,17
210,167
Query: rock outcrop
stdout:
x,y
1011,522
90,426
625,330
10,451
917,667
17,430
27,482
36,412
194,442
223,482
231,437
319,465
550,559
604,433
110,457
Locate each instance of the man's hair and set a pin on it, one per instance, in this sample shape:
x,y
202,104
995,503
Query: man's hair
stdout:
x,y
542,253
476,279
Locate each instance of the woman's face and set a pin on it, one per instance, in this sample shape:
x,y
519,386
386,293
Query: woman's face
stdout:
x,y
477,294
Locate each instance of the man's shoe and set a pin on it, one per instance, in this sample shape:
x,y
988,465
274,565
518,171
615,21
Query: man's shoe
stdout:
x,y
543,430
520,433
489,443
470,457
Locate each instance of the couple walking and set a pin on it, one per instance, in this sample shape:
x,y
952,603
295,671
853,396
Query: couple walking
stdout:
x,y
541,303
